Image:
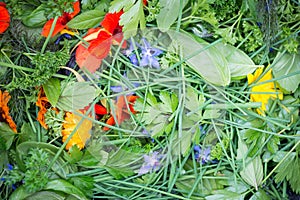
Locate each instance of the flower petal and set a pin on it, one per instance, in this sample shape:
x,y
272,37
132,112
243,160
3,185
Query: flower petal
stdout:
x,y
85,59
111,21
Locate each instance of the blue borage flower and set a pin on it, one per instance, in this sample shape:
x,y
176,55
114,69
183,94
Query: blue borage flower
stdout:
x,y
149,55
131,54
122,88
151,163
202,155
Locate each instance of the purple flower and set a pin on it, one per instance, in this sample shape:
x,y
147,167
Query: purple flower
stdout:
x,y
130,53
151,163
202,155
149,55
10,167
121,88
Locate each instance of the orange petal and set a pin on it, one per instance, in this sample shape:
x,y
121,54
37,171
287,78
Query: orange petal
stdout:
x,y
85,59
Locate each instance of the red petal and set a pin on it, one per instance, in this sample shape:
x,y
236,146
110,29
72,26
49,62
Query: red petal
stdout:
x,y
87,60
100,47
76,6
110,121
132,100
100,110
111,21
4,18
2,4
59,26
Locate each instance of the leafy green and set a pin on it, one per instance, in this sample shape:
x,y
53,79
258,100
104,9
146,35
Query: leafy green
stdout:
x,y
52,90
66,187
76,95
286,64
132,17
239,63
252,171
158,117
86,20
289,170
6,136
205,60
168,13
122,164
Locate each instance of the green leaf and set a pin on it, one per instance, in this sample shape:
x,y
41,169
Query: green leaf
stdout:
x,y
76,96
260,195
239,63
52,90
289,170
122,164
6,136
66,187
117,5
36,18
209,63
287,64
169,12
49,195
85,183
252,172
226,195
19,193
86,20
133,16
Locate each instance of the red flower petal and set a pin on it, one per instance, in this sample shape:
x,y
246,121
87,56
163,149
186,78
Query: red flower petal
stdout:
x,y
110,121
4,18
100,110
61,21
111,21
87,60
100,47
59,26
76,7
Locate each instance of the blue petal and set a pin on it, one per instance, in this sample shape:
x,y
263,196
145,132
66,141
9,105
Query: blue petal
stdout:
x,y
117,89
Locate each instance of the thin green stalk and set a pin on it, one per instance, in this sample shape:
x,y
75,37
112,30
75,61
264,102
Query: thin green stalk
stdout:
x,y
50,34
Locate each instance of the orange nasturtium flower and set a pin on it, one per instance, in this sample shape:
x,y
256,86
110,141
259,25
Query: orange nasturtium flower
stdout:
x,y
121,110
4,110
83,131
259,90
4,18
100,42
62,21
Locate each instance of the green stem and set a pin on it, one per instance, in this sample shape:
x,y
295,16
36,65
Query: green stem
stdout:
x,y
49,36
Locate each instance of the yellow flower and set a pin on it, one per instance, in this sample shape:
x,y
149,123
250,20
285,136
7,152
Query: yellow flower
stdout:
x,y
82,134
268,88
4,110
